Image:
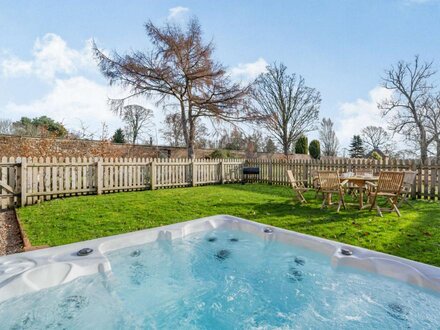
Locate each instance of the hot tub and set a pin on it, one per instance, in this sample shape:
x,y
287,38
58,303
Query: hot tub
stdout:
x,y
216,272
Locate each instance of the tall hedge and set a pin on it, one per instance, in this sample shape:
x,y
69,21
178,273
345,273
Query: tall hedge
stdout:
x,y
301,145
315,149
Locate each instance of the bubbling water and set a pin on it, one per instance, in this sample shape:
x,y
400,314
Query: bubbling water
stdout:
x,y
224,279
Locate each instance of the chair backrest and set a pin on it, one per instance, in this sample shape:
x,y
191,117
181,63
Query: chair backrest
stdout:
x,y
390,182
329,180
291,178
409,178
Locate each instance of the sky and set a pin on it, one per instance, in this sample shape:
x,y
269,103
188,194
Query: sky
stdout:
x,y
340,47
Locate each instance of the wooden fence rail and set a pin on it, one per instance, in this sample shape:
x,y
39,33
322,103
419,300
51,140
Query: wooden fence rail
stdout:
x,y
25,181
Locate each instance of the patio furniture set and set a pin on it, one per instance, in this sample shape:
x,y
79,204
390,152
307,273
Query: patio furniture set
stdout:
x,y
392,186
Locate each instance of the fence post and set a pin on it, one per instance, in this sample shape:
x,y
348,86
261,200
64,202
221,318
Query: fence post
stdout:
x,y
193,172
222,172
23,181
99,177
153,175
304,171
414,184
270,171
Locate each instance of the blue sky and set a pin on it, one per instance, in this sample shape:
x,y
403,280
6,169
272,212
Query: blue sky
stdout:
x,y
340,47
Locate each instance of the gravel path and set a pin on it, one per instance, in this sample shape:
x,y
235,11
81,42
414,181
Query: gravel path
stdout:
x,y
10,239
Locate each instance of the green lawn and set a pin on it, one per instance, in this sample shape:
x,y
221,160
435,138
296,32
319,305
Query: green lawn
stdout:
x,y
416,235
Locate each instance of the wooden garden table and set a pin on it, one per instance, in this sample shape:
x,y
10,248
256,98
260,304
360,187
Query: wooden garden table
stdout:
x,y
361,182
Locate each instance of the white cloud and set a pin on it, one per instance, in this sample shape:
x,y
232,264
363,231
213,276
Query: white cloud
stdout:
x,y
74,100
51,56
72,97
177,12
249,71
354,116
13,66
70,101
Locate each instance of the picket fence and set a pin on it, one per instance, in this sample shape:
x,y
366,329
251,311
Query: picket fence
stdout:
x,y
26,181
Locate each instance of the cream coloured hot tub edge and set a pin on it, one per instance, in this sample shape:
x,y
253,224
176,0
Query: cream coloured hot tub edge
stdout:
x,y
35,270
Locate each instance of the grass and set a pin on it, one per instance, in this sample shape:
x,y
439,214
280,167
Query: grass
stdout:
x,y
416,235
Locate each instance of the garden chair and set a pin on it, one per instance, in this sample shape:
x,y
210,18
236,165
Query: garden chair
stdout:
x,y
315,183
408,181
298,187
389,186
330,184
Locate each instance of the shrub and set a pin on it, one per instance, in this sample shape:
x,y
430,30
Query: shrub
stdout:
x,y
375,155
315,149
301,145
219,154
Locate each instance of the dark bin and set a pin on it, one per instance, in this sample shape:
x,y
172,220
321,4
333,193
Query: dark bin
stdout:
x,y
249,172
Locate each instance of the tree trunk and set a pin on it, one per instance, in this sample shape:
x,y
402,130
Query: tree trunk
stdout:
x,y
184,122
286,150
437,141
190,149
134,138
423,147
285,145
192,130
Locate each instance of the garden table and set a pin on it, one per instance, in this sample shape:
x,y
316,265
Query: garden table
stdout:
x,y
360,181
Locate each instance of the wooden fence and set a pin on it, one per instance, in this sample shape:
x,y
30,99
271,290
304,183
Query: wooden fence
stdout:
x,y
25,181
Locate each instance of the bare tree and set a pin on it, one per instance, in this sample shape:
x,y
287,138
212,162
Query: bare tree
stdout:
x,y
180,71
136,118
285,105
83,132
172,132
375,137
6,126
232,139
328,139
406,107
104,133
269,146
433,121
201,135
255,141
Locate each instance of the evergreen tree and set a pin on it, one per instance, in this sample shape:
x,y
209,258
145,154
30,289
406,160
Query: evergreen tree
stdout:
x,y
315,149
357,147
301,145
270,146
119,136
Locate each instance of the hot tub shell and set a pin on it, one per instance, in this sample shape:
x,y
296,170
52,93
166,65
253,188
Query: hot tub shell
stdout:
x,y
36,270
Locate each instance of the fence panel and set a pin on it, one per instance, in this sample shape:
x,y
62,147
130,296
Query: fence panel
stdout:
x,y
10,182
29,181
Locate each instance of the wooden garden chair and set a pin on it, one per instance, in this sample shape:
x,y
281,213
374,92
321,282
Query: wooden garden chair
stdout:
x,y
298,187
405,194
330,184
315,183
389,186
